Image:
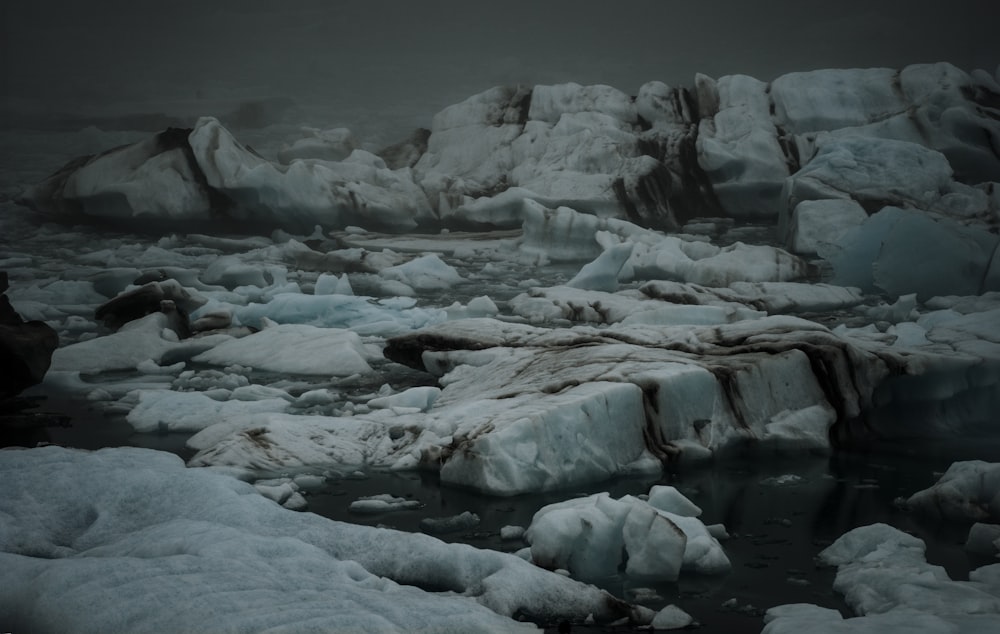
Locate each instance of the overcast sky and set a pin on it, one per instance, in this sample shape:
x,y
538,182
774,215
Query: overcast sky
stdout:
x,y
407,57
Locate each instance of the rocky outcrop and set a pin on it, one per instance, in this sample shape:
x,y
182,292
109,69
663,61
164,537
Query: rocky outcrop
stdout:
x,y
26,347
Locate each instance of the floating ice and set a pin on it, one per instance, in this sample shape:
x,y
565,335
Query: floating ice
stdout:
x,y
671,618
423,274
148,338
294,349
190,545
593,536
363,315
439,525
273,442
418,398
382,503
166,410
968,490
885,579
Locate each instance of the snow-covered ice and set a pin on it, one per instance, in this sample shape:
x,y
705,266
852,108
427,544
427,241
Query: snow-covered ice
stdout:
x,y
887,582
81,526
968,491
294,349
593,537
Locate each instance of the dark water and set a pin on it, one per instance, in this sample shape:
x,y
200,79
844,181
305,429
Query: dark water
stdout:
x,y
776,529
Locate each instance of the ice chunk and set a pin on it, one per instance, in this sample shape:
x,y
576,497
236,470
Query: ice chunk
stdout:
x,y
294,349
327,284
360,314
882,253
983,539
419,398
882,571
382,503
816,222
667,498
272,441
511,532
968,490
671,618
589,537
191,545
602,273
738,149
425,273
528,435
148,338
464,521
165,410
360,188
550,103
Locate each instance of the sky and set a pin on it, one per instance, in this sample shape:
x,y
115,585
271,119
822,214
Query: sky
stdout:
x,y
400,61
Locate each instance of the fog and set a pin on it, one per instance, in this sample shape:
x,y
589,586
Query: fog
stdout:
x,y
396,63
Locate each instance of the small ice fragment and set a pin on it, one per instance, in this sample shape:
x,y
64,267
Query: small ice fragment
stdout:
x,y
382,503
671,618
455,523
511,532
782,480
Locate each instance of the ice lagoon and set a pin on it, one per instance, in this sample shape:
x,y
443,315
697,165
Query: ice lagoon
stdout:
x,y
785,308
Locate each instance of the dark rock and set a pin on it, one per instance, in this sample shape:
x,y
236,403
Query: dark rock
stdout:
x,y
167,296
407,152
26,348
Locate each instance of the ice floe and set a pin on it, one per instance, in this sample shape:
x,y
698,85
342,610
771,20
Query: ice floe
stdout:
x,y
187,537
967,491
886,580
593,537
294,349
